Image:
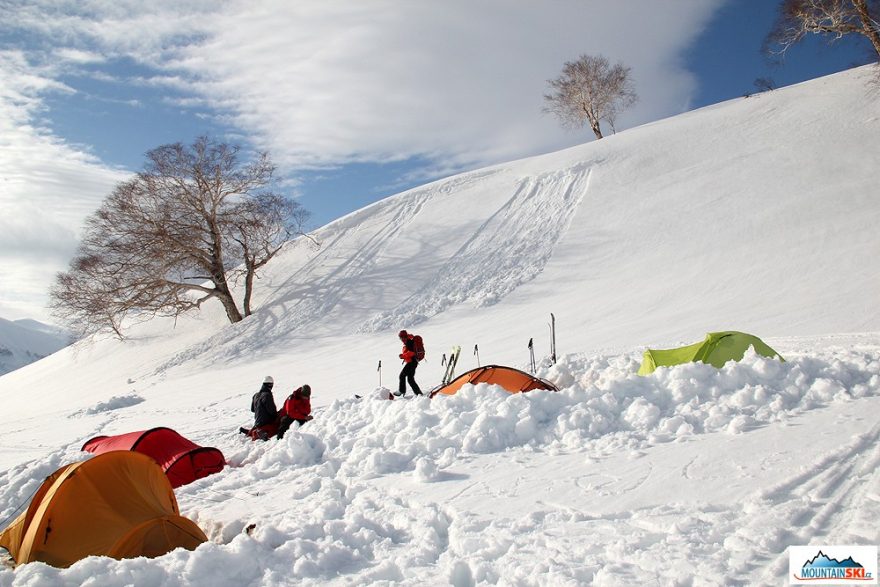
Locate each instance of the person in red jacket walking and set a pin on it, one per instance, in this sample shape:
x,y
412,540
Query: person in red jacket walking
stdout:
x,y
297,408
411,361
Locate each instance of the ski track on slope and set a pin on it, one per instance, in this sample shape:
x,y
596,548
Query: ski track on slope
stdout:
x,y
350,256
528,225
314,291
311,298
745,545
489,265
804,508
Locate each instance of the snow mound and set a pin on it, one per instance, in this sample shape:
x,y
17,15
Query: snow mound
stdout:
x,y
602,407
117,402
303,508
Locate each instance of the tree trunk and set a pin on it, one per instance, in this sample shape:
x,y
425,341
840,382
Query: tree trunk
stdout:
x,y
594,124
250,270
221,287
225,297
868,24
231,309
593,120
218,274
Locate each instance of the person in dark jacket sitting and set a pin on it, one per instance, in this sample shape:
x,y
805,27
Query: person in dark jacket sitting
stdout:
x,y
265,413
297,408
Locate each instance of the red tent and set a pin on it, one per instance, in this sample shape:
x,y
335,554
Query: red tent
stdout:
x,y
182,460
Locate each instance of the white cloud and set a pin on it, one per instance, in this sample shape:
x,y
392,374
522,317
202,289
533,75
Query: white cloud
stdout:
x,y
78,56
322,83
457,83
47,188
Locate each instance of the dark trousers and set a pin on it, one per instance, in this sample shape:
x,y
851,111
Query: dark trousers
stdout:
x,y
286,421
408,373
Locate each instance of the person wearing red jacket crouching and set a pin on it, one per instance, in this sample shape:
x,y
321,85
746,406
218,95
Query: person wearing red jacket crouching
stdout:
x,y
297,408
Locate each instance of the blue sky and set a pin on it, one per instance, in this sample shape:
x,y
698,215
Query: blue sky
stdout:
x,y
354,100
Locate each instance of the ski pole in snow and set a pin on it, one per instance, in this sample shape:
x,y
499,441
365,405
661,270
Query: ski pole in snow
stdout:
x,y
477,353
379,369
532,355
443,360
552,338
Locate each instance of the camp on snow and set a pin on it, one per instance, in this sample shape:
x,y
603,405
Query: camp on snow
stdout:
x,y
717,349
119,504
182,460
508,378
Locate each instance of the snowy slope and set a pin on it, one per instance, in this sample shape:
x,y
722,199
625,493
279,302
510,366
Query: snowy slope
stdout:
x,y
748,215
24,341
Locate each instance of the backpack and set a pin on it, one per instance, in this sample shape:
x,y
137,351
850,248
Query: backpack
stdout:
x,y
418,347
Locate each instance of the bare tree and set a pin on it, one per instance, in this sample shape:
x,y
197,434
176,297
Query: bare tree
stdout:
x,y
174,236
798,18
589,91
260,226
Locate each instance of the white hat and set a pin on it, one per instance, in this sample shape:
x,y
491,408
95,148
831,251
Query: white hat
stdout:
x,y
268,379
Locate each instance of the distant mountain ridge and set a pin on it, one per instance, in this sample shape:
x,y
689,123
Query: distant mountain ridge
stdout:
x,y
24,341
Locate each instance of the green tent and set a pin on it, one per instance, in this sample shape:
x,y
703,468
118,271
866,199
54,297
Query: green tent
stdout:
x,y
717,349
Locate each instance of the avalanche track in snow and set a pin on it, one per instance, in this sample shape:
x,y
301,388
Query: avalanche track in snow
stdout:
x,y
511,247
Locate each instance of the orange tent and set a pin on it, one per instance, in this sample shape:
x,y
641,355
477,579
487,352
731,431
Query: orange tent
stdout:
x,y
512,380
118,504
182,460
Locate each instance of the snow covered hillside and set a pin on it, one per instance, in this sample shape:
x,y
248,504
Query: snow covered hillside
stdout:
x,y
757,214
24,341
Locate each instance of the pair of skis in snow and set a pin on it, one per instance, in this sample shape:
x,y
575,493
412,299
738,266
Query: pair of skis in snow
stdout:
x,y
552,345
450,363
